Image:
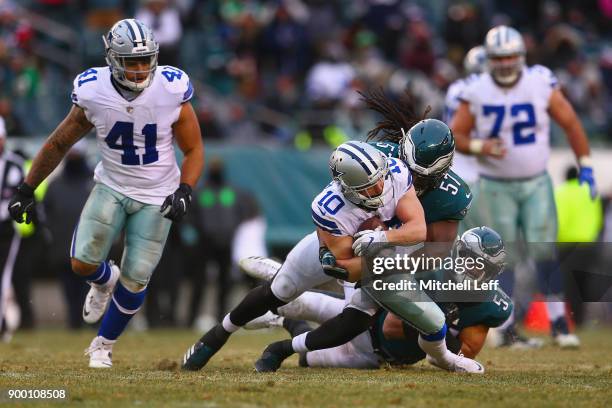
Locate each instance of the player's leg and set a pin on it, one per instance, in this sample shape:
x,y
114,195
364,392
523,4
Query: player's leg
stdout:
x,y
539,221
300,271
101,220
358,353
9,248
146,231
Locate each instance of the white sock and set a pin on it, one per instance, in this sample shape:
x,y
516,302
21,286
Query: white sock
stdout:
x,y
437,350
312,306
228,325
555,307
299,343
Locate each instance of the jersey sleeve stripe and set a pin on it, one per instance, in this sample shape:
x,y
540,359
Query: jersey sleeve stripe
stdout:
x,y
188,93
320,220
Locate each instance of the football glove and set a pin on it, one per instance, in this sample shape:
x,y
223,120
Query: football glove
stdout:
x,y
586,176
328,262
22,203
176,204
364,240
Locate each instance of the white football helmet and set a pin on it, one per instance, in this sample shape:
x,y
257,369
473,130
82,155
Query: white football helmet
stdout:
x,y
131,39
358,166
503,41
475,60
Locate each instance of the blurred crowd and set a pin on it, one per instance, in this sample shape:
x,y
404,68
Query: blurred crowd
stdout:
x,y
286,71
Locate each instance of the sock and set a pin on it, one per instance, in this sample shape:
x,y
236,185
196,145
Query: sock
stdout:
x,y
101,275
296,327
555,307
228,325
435,346
216,337
256,303
298,343
559,326
123,306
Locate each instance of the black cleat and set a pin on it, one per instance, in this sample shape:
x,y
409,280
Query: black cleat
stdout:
x,y
197,356
273,356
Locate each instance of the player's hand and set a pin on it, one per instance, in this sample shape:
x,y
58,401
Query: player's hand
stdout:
x,y
364,240
494,148
176,204
586,176
22,203
328,262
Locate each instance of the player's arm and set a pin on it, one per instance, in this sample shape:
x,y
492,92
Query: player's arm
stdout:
x,y
341,248
473,339
74,126
410,212
444,233
393,328
189,138
562,112
462,124
186,131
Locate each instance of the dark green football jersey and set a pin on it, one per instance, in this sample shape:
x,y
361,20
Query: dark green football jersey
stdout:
x,y
450,201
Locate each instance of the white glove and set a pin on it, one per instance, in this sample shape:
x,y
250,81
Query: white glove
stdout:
x,y
365,239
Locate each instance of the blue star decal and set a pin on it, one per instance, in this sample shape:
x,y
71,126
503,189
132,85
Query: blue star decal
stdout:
x,y
335,172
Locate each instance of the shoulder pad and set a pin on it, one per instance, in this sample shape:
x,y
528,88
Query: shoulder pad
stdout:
x,y
400,173
326,210
176,82
544,74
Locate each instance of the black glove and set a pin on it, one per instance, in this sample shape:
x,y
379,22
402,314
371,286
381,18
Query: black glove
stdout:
x,y
176,204
328,262
22,203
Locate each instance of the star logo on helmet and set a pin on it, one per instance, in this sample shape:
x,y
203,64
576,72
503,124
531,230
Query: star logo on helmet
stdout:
x,y
335,172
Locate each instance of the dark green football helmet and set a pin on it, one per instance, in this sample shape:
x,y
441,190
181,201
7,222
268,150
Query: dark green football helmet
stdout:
x,y
486,247
427,148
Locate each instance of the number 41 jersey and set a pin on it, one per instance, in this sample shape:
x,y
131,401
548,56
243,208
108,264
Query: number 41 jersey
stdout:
x,y
135,137
518,115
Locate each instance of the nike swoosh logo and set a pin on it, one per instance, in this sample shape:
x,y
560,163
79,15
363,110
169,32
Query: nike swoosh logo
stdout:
x,y
16,205
371,239
184,205
468,195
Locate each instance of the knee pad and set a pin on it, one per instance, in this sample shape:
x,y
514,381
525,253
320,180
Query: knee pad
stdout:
x,y
131,285
284,287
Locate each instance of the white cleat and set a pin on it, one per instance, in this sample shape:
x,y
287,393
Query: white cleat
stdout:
x,y
265,321
460,365
567,341
100,353
260,267
98,297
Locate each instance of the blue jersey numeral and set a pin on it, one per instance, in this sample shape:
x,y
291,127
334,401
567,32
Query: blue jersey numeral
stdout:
x,y
87,76
172,73
326,202
521,133
394,167
125,132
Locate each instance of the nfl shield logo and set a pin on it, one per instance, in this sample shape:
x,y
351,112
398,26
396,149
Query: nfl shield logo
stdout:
x,y
129,109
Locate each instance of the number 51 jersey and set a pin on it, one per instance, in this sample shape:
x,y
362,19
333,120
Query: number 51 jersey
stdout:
x,y
135,137
518,115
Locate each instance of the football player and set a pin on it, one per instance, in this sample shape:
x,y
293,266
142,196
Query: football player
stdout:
x,y
389,338
137,110
473,64
364,183
508,109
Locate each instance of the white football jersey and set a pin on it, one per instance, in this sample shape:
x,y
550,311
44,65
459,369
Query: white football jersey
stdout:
x,y
463,164
517,115
335,214
135,137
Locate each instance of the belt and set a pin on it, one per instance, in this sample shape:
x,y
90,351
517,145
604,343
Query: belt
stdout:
x,y
511,180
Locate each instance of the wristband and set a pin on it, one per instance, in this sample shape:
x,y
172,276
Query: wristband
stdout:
x,y
476,146
26,190
585,161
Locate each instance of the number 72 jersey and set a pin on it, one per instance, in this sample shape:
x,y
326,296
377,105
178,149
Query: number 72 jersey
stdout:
x,y
135,137
518,115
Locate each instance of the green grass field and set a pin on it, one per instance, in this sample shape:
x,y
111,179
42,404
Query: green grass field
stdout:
x,y
146,373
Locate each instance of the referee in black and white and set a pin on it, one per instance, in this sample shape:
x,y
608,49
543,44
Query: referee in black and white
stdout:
x,y
11,175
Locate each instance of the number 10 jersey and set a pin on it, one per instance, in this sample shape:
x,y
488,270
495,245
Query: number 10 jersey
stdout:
x,y
135,137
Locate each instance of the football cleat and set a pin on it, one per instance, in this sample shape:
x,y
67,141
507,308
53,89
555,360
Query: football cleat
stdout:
x,y
100,353
197,356
260,267
516,341
98,297
273,356
460,365
265,321
567,341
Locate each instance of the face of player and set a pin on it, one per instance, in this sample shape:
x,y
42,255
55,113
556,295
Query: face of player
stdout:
x,y
137,69
376,190
505,70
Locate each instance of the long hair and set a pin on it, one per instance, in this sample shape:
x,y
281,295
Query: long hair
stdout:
x,y
396,115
